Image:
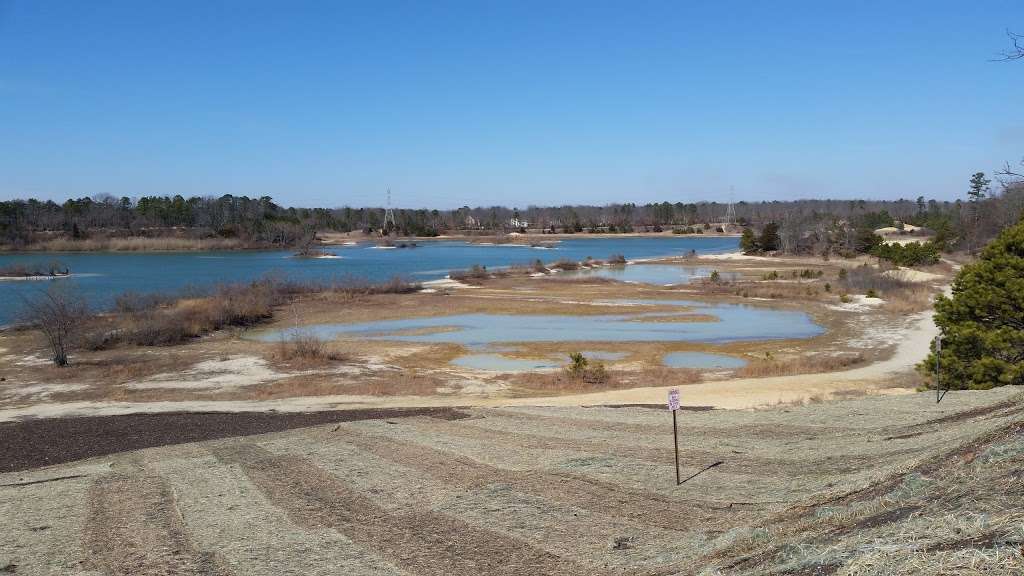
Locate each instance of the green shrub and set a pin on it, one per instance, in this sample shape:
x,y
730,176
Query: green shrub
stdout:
x,y
910,254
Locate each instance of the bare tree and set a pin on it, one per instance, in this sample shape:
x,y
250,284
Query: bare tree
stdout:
x,y
58,312
1017,52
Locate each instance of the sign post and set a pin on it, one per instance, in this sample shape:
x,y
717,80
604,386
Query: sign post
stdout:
x,y
673,406
938,352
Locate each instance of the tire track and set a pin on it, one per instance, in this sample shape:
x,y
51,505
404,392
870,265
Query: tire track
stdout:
x,y
587,493
422,542
134,528
738,464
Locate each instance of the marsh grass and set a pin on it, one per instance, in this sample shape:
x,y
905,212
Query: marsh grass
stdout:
x,y
800,365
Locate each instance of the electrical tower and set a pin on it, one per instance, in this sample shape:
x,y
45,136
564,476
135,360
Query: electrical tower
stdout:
x,y
389,217
730,212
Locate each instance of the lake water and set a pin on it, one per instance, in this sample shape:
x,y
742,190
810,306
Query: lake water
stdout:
x,y
101,276
735,323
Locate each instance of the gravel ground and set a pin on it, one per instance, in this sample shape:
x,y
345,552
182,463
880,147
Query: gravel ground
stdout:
x,y
870,486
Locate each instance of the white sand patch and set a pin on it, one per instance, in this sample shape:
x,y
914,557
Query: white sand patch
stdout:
x,y
234,372
732,256
428,291
858,303
33,360
473,387
908,275
39,391
447,283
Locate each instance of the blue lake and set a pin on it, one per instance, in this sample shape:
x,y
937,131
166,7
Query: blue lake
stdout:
x,y
101,276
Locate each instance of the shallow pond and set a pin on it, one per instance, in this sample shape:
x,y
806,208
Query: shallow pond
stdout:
x,y
101,276
735,323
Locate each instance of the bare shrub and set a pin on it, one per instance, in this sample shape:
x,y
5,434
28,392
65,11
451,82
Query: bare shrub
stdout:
x,y
475,272
59,312
616,259
32,269
565,265
302,346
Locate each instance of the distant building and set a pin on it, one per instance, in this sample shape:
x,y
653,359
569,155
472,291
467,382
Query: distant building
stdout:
x,y
518,223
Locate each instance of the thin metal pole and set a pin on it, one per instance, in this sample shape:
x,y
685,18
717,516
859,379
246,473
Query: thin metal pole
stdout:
x,y
675,442
938,373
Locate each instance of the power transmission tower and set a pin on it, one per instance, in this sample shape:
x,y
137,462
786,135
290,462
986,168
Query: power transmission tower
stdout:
x,y
389,217
730,212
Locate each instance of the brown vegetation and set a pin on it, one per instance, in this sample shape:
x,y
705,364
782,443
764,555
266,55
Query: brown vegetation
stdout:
x,y
28,270
153,320
133,244
799,365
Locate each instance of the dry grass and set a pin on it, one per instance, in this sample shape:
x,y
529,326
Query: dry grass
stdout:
x,y
134,244
564,382
800,365
157,320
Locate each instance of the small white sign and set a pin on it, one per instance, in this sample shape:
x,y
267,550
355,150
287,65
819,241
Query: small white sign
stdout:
x,y
673,399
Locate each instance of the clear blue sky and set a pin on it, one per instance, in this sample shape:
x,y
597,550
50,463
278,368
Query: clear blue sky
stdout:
x,y
517,103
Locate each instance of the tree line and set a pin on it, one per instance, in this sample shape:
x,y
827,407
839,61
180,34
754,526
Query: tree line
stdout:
x,y
799,226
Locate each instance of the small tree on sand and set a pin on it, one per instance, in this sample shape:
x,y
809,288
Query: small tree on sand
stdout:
x,y
58,312
983,322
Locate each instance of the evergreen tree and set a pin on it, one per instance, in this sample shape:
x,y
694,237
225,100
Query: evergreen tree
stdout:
x,y
748,242
983,322
770,237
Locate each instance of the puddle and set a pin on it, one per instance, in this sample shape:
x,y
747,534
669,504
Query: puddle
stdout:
x,y
701,360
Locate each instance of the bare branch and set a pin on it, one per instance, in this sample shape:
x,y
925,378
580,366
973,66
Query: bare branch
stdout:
x,y
1015,53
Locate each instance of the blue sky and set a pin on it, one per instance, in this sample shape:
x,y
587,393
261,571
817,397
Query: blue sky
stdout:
x,y
515,103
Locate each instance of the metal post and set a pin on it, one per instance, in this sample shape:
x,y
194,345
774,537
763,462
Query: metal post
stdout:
x,y
938,353
675,441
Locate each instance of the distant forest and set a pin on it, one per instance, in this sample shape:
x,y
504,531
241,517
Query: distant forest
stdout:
x,y
803,226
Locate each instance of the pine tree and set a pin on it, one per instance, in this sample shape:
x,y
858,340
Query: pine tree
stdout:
x,y
770,237
983,322
748,242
